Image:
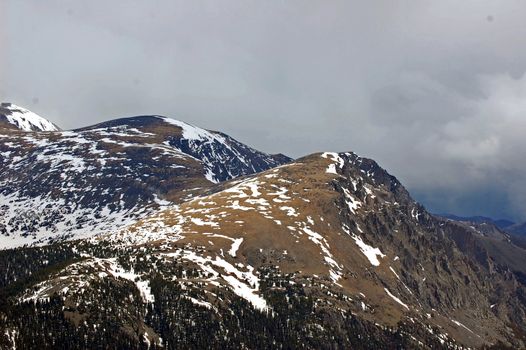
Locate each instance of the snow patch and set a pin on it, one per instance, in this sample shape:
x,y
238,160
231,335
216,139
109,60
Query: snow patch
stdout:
x,y
370,252
396,299
338,161
235,247
194,133
244,284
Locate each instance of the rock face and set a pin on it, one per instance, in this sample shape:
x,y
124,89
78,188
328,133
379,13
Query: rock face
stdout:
x,y
76,184
481,235
161,235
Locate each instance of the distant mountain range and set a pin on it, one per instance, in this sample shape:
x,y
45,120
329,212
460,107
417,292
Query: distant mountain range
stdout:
x,y
519,229
506,225
149,233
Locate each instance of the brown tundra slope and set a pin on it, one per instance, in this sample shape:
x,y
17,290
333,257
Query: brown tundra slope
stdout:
x,y
336,227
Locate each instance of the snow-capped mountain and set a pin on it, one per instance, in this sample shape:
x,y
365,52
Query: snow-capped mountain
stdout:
x,y
20,118
223,157
74,184
328,251
163,235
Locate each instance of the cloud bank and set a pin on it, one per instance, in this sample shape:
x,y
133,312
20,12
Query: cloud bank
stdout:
x,y
435,91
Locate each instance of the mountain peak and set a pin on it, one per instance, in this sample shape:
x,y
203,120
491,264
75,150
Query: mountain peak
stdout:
x,y
223,157
23,119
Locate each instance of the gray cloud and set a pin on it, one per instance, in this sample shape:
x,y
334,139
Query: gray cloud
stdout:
x,y
432,90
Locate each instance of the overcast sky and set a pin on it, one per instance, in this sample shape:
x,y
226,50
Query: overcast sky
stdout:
x,y
434,91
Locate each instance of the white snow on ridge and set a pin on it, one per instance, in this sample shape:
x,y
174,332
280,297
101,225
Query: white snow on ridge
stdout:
x,y
461,325
352,203
415,214
335,271
216,151
38,210
396,299
213,147
331,169
244,284
194,133
290,211
118,271
370,253
73,279
200,302
26,120
235,247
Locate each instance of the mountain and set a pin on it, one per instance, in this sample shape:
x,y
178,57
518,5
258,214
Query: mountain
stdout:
x,y
76,184
500,223
517,234
504,248
326,252
504,239
15,117
223,157
519,229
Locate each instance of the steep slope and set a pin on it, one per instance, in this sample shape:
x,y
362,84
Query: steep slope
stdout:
x,y
478,234
74,184
15,117
329,251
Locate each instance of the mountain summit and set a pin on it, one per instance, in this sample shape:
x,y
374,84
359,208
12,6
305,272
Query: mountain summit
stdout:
x,y
74,184
223,157
13,116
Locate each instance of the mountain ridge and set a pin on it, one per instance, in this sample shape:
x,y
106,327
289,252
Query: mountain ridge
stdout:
x,y
153,232
68,184
500,223
334,227
13,116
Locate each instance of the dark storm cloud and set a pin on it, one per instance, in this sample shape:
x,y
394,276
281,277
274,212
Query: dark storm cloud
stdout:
x,y
435,91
